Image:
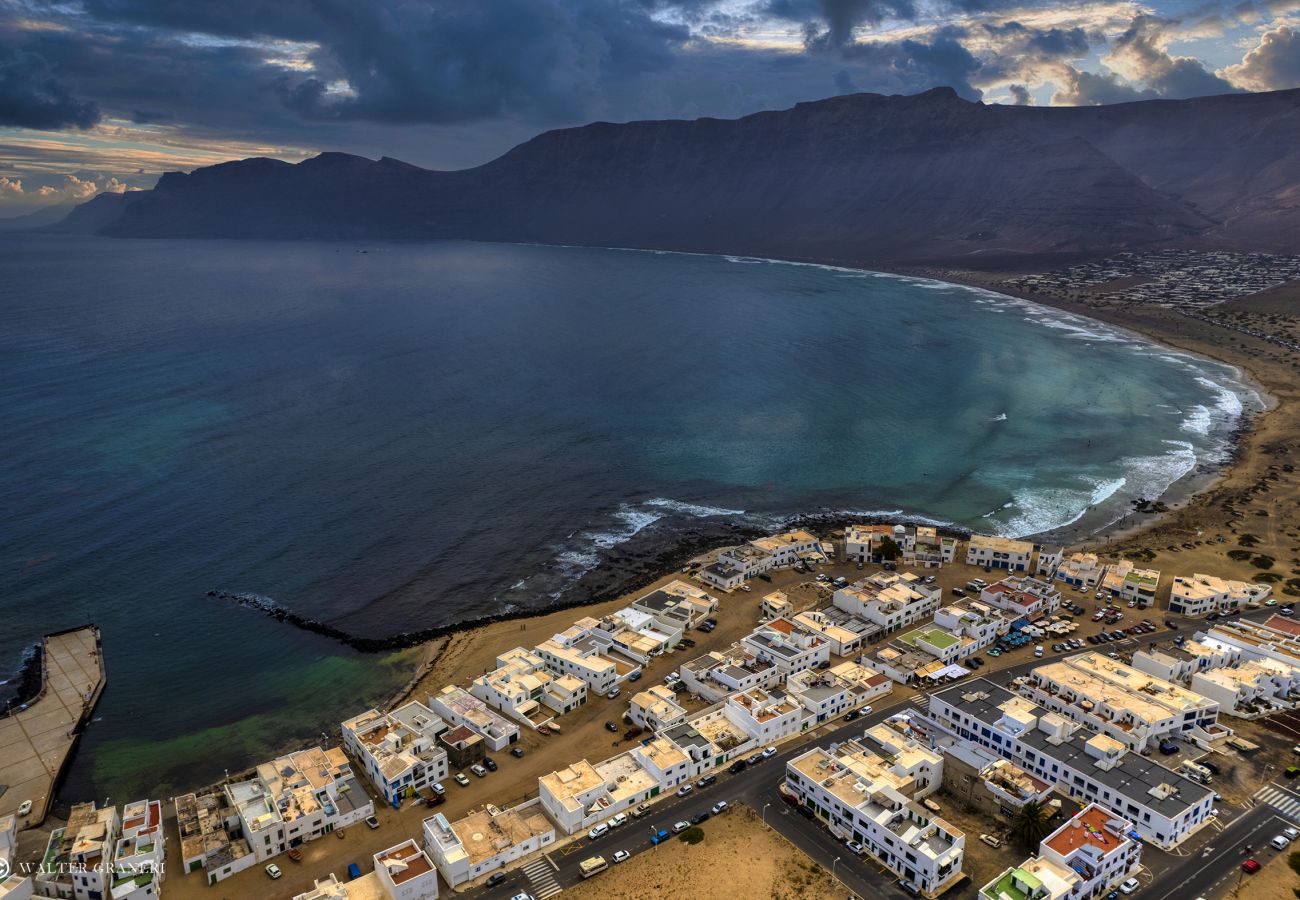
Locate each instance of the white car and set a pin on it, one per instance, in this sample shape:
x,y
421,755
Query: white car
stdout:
x,y
621,856
679,827
1291,833
478,770
602,828
273,870
25,807
719,806
620,819
865,711
685,789
768,752
1130,886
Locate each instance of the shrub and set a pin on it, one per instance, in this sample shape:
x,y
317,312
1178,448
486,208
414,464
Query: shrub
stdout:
x,y
692,835
1240,555
1262,562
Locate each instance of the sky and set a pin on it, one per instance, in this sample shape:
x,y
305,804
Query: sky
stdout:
x,y
105,95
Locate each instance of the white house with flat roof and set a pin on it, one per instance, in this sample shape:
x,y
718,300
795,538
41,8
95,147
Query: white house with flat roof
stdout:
x,y
1129,583
1022,596
864,797
486,840
1200,595
721,672
1180,662
766,716
398,751
981,622
457,706
845,634
789,548
581,794
138,859
523,688
575,652
830,693
405,872
78,859
788,646
998,553
1080,570
1098,846
889,600
656,708
1127,704
1037,878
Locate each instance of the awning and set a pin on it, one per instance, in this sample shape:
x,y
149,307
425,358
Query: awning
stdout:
x,y
950,672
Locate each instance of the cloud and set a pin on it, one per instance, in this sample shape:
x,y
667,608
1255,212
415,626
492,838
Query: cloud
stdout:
x,y
1271,66
831,23
1140,55
1020,95
18,194
32,97
1096,89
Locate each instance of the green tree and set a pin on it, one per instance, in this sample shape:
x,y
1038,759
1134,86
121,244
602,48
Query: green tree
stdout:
x,y
1031,824
888,550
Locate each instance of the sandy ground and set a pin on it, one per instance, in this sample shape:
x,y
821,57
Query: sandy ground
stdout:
x,y
1276,881
747,860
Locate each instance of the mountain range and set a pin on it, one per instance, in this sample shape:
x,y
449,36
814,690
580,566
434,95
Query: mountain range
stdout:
x,y
859,177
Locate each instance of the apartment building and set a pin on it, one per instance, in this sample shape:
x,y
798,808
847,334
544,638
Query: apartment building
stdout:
x,y
843,633
656,708
211,840
907,663
939,643
576,652
1136,709
456,706
668,763
1250,689
1098,846
636,634
522,688
734,566
1163,806
830,693
1131,584
1180,662
919,546
1048,560
13,886
1023,596
700,603
1080,570
889,600
580,795
790,548
721,672
765,716
1037,878
486,840
862,542
862,796
398,751
405,872
297,798
999,553
79,856
774,605
1200,595
787,646
138,859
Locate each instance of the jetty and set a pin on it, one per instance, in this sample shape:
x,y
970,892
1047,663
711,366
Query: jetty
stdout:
x,y
37,737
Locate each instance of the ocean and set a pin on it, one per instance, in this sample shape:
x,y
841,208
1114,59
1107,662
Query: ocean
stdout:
x,y
393,437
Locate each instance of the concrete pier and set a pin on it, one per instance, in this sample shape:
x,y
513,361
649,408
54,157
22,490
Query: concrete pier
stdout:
x,y
36,742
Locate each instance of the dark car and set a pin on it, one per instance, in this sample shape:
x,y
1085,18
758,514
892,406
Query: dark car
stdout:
x,y
1169,623
700,817
611,726
1212,767
805,812
706,781
490,763
1168,748
517,752
688,642
494,879
636,676
738,766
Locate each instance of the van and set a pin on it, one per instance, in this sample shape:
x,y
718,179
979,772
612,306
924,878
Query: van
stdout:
x,y
1279,843
592,865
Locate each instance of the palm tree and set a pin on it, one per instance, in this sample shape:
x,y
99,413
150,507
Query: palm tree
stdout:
x,y
1030,825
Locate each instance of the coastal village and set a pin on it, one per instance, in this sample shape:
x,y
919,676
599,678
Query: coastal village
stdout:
x,y
903,698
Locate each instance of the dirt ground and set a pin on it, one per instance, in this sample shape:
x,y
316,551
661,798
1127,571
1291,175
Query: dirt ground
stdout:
x,y
1276,881
743,858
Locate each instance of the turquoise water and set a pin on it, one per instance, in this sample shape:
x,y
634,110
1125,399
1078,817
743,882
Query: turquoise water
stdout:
x,y
418,434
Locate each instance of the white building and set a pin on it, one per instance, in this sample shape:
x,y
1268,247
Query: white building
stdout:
x,y
843,633
982,623
765,716
999,553
862,796
297,798
522,688
656,708
398,751
580,795
211,837
1080,570
1203,594
789,647
789,548
1180,663
486,840
1037,878
456,706
138,859
1098,846
1022,596
1129,583
1164,807
1136,709
405,872
721,672
575,652
79,856
1049,559
888,600
829,694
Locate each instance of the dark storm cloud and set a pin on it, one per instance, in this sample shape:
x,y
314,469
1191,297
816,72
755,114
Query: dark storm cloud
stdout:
x,y
1089,89
831,22
1020,95
31,96
461,61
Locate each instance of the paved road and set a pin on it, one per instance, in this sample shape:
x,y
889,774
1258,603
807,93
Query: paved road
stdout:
x,y
863,877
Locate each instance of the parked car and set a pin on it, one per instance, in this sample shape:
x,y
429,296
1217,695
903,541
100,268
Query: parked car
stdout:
x,y
768,752
617,820
517,752
1250,866
636,676
461,779
719,807
855,847
372,822
24,808
1130,886
679,827
851,715
494,879
739,765
991,841
621,856
612,694
685,790
273,870
700,817
478,770
611,726
490,763
598,831
706,781
641,810
633,732
1279,842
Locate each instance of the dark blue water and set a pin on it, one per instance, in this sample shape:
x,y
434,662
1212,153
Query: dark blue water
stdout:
x,y
414,435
